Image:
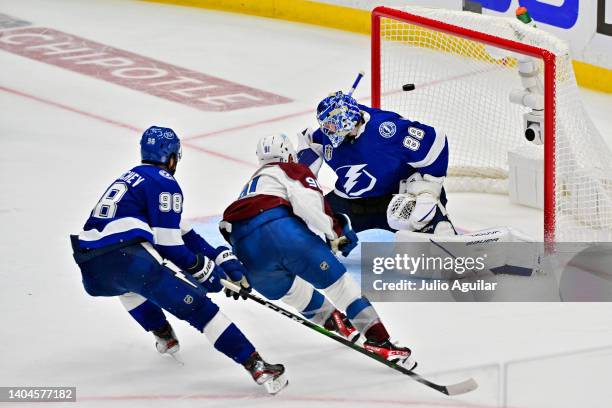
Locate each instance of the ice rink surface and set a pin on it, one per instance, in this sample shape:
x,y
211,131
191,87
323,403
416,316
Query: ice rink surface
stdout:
x,y
66,135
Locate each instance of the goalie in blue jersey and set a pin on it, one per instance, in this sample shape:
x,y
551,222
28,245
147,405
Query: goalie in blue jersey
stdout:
x,y
390,170
134,246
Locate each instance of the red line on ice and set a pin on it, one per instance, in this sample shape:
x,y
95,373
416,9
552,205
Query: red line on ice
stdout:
x,y
352,401
117,123
69,108
249,125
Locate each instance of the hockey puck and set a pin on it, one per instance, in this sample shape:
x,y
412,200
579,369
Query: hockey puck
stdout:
x,y
408,87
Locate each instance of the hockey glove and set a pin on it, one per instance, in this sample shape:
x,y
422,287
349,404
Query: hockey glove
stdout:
x,y
234,270
348,241
427,190
207,273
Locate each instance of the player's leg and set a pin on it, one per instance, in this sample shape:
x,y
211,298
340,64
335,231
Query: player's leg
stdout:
x,y
309,258
319,266
102,276
365,213
277,251
139,269
181,295
318,309
266,274
151,317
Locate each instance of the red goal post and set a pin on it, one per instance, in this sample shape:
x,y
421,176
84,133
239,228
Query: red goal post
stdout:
x,y
549,62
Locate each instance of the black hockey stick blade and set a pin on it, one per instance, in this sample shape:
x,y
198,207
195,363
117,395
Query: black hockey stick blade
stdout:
x,y
451,390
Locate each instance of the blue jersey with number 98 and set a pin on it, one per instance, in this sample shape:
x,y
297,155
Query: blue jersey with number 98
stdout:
x,y
145,204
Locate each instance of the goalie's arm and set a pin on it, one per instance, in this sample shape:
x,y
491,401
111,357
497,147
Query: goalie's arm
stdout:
x,y
426,150
427,154
310,152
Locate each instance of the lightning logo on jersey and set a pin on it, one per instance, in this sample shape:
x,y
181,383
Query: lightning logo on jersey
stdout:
x,y
356,175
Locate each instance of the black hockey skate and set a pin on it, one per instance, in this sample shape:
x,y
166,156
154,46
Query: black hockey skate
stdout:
x,y
399,355
271,376
165,340
340,324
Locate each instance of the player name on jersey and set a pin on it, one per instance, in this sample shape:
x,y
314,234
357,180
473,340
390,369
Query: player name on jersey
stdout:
x,y
132,178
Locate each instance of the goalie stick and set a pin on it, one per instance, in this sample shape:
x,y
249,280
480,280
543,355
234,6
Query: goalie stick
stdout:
x,y
451,390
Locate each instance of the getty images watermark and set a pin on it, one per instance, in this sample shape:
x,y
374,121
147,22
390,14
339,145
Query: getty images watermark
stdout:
x,y
411,265
488,271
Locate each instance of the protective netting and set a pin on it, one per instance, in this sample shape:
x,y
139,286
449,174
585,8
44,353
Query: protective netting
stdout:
x,y
463,88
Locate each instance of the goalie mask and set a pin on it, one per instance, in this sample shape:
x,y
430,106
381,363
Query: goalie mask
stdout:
x,y
274,149
338,115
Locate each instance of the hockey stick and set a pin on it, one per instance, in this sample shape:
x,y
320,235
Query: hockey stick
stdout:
x,y
357,80
451,390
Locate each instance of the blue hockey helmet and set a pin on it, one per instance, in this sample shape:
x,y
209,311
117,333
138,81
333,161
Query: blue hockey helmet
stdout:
x,y
338,115
158,144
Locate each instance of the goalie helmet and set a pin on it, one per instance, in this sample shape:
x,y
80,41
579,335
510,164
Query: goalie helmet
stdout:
x,y
338,115
157,144
275,148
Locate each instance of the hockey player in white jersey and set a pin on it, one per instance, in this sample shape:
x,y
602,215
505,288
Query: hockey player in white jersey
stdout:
x,y
284,232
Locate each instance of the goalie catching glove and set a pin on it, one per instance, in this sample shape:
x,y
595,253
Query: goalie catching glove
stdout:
x,y
234,270
416,204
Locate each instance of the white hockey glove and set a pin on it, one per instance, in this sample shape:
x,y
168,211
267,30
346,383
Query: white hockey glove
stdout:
x,y
416,204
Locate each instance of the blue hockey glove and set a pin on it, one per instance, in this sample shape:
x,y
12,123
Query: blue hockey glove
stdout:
x,y
348,241
207,273
234,270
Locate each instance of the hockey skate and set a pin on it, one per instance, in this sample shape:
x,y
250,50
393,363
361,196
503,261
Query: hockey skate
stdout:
x,y
340,324
165,340
401,356
271,376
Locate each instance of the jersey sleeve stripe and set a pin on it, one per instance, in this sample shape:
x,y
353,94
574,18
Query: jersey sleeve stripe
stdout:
x,y
307,156
185,227
434,151
115,227
167,236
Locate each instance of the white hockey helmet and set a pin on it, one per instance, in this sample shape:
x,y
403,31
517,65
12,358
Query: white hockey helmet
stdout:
x,y
275,148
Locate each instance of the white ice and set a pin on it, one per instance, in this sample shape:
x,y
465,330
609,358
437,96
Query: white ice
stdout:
x,y
60,150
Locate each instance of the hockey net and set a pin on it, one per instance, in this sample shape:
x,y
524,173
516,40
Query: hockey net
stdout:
x,y
465,66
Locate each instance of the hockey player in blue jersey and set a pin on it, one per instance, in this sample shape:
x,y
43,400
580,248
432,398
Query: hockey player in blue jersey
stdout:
x,y
390,169
134,246
285,233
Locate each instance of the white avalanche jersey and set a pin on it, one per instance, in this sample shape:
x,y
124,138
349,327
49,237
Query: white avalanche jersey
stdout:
x,y
286,184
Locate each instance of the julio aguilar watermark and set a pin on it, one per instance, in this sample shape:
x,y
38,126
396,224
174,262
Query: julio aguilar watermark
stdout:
x,y
422,264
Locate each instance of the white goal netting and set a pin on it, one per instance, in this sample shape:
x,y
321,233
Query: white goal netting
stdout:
x,y
463,88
